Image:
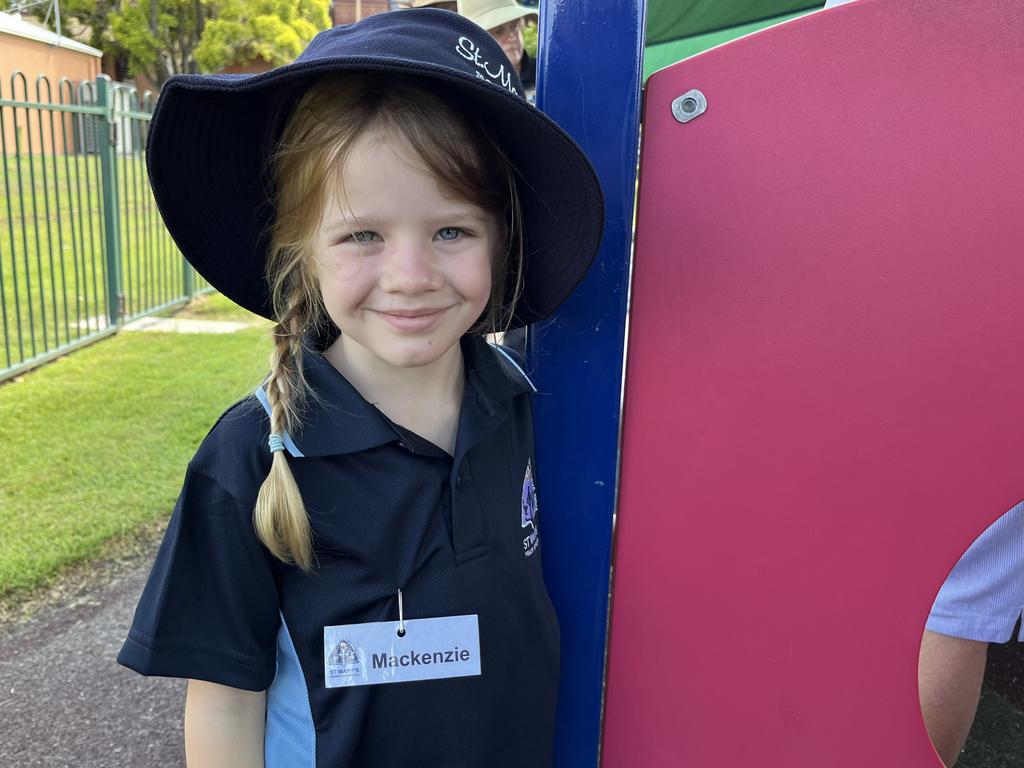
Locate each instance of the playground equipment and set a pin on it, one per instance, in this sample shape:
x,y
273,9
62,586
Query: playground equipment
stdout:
x,y
823,384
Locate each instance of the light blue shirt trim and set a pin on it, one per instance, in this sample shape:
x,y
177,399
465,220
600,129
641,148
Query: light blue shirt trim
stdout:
x,y
290,737
509,357
289,444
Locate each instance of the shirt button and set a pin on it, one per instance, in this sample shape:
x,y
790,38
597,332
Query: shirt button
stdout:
x,y
458,480
401,444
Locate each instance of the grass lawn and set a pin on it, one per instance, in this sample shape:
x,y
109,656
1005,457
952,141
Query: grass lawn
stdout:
x,y
97,441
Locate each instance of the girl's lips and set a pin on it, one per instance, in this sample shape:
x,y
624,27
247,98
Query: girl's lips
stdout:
x,y
412,320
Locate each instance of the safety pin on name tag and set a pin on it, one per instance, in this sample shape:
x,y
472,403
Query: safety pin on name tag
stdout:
x,y
377,653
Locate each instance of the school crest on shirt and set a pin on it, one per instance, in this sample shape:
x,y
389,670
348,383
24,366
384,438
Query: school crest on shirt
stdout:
x,y
344,661
532,539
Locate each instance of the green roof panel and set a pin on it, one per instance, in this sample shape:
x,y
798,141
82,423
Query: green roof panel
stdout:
x,y
662,55
675,19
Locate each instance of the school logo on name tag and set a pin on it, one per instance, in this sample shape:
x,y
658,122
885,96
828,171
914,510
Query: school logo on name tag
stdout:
x,y
375,654
530,521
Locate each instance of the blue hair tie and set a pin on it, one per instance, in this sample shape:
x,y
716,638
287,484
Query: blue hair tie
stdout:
x,y
275,442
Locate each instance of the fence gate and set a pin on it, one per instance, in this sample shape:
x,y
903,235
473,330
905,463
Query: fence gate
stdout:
x,y
82,246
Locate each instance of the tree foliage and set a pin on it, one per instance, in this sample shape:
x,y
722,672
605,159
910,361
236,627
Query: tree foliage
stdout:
x,y
90,17
88,21
160,36
166,37
274,31
530,38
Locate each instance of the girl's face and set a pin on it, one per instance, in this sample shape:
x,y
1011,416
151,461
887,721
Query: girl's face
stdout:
x,y
404,269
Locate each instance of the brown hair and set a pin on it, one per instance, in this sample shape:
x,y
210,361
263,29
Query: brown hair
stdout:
x,y
331,115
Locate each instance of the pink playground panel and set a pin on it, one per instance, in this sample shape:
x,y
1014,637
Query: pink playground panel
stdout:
x,y
825,386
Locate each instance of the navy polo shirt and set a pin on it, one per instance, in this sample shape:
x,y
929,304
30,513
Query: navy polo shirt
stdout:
x,y
389,510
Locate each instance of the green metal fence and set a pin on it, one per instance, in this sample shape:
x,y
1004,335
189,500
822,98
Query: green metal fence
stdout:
x,y
82,246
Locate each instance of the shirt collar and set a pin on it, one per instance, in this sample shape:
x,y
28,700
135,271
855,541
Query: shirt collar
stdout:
x,y
493,371
336,419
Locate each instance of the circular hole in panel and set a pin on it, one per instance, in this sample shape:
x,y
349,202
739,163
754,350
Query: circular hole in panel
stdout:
x,y
971,664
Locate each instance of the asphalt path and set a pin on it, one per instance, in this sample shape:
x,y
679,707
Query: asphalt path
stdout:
x,y
64,701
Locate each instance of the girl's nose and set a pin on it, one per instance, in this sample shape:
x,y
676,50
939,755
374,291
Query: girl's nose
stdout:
x,y
410,268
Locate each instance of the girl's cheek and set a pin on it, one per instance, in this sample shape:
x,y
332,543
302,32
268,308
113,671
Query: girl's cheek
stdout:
x,y
340,266
483,275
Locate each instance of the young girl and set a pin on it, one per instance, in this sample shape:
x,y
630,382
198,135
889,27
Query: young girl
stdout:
x,y
352,575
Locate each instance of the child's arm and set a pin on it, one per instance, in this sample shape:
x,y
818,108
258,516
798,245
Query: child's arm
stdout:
x,y
224,726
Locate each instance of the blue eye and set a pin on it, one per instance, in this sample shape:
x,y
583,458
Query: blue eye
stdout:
x,y
449,233
364,236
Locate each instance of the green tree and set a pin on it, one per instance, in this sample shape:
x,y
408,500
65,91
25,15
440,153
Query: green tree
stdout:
x,y
88,21
160,36
530,38
90,18
168,37
274,31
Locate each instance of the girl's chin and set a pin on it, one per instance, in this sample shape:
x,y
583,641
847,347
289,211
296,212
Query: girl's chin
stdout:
x,y
414,353
415,359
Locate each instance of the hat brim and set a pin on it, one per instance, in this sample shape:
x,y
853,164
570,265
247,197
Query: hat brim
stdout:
x,y
498,16
211,136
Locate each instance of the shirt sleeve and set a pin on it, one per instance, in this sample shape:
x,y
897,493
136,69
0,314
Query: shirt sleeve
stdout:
x,y
210,607
983,596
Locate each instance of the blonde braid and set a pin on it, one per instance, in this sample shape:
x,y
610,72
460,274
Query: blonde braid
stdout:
x,y
280,516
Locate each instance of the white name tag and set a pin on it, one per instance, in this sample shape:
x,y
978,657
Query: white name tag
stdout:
x,y
373,653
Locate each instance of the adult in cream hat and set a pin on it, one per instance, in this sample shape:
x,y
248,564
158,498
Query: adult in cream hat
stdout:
x,y
504,20
447,5
490,14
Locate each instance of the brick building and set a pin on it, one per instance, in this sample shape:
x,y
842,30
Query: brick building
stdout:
x,y
348,11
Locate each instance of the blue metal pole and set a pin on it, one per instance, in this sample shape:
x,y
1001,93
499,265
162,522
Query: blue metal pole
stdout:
x,y
589,70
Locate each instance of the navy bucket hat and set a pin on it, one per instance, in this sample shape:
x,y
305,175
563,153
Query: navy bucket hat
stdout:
x,y
211,137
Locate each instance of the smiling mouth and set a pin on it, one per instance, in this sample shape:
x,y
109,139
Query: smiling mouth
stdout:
x,y
412,320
